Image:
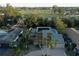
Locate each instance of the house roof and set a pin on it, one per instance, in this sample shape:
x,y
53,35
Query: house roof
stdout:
x,y
10,36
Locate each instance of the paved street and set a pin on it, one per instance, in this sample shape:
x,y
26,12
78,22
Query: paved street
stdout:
x,y
49,52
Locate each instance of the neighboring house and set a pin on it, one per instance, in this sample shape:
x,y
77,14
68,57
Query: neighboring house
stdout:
x,y
10,38
74,35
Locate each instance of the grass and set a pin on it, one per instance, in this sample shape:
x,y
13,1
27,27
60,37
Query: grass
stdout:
x,y
40,12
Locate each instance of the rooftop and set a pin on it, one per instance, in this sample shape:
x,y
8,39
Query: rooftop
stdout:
x,y
9,36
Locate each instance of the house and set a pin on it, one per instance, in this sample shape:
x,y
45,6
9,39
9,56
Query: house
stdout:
x,y
10,38
74,35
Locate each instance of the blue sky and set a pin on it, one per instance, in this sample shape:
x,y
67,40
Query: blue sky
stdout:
x,y
41,3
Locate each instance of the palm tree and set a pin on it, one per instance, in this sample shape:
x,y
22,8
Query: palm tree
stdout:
x,y
49,40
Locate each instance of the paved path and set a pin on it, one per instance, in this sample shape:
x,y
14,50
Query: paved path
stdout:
x,y
49,52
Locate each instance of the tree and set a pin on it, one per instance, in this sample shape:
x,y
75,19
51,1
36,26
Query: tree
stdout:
x,y
49,40
40,21
17,51
11,11
57,10
54,9
60,12
60,26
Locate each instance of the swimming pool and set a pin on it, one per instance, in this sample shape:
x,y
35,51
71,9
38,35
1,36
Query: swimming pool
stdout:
x,y
55,35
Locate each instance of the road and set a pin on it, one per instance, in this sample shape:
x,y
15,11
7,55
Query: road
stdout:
x,y
6,52
49,52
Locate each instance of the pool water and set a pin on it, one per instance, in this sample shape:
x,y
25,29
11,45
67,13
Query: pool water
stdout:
x,y
55,35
